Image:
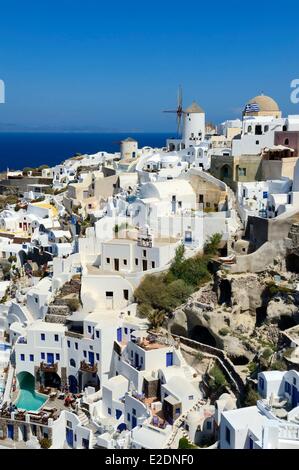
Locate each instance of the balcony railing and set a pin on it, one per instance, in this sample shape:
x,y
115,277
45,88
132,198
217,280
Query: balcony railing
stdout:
x,y
87,367
44,367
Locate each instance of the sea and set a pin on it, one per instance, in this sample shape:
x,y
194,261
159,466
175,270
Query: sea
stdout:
x,y
32,149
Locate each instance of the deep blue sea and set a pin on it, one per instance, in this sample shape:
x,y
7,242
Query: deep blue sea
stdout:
x,y
21,149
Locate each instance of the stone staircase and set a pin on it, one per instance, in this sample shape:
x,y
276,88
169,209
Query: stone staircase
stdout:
x,y
83,418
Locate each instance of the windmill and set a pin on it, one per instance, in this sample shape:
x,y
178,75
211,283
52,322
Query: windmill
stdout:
x,y
179,111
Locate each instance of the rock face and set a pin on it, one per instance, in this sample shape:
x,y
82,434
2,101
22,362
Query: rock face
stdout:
x,y
283,307
238,313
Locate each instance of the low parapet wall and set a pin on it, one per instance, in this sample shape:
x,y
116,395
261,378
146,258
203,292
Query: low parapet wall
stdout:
x,y
225,363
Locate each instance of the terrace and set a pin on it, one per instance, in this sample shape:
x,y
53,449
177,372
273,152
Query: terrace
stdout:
x,y
88,367
44,367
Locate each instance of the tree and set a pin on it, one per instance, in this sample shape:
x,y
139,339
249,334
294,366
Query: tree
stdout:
x,y
156,319
211,247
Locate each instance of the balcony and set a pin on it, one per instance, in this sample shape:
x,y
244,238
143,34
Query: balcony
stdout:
x,y
87,367
44,367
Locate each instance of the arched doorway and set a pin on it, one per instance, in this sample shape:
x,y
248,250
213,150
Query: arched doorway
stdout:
x,y
73,384
51,379
225,172
203,335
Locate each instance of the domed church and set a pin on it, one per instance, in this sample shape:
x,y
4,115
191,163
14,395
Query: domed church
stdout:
x,y
262,105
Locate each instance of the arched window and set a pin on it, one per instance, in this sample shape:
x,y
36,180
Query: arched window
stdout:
x,y
72,363
286,142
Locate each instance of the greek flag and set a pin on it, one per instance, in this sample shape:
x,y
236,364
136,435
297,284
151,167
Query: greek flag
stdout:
x,y
252,108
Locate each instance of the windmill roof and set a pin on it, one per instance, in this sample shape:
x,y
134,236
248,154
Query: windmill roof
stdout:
x,y
194,108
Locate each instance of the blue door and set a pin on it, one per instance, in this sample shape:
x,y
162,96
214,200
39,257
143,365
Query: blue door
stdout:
x,y
10,432
134,422
119,335
169,359
73,384
50,358
136,360
69,437
91,357
294,396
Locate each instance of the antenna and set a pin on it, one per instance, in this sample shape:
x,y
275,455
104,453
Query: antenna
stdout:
x,y
179,110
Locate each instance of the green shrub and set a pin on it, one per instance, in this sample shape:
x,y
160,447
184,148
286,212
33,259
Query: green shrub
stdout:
x,y
267,353
217,380
45,443
279,365
185,444
251,396
224,331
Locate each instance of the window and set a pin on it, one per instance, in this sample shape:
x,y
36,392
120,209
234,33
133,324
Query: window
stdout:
x,y
68,344
201,199
22,357
286,142
134,411
109,294
72,363
56,337
177,411
126,294
57,357
42,355
125,262
109,411
76,346
258,130
153,264
191,397
126,331
294,381
266,128
42,336
227,435
144,253
31,357
128,417
89,329
180,204
69,424
208,204
136,261
257,142
85,353
261,383
242,171
97,334
97,356
108,260
187,427
249,129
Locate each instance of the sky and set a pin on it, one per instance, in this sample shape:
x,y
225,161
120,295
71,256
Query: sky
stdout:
x,y
114,66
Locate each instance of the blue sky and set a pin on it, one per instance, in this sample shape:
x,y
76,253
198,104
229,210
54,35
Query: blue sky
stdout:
x,y
114,66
